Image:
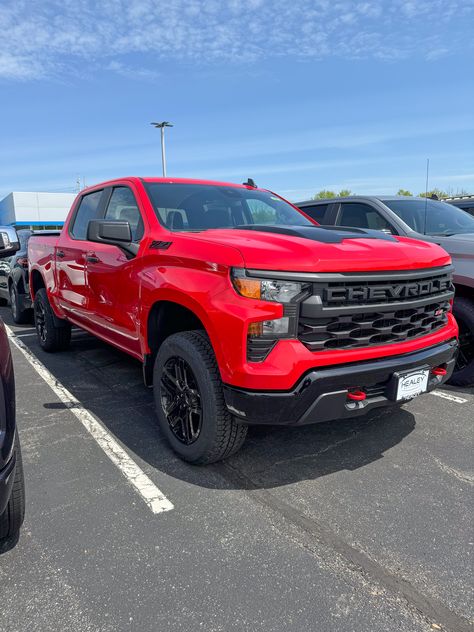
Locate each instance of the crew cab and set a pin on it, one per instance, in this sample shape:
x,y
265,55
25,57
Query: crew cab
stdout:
x,y
243,310
420,218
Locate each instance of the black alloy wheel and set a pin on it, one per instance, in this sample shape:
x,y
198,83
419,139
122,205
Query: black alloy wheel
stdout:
x,y
466,346
40,321
181,400
13,301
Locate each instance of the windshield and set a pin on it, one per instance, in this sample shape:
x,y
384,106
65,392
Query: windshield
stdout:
x,y
198,207
440,218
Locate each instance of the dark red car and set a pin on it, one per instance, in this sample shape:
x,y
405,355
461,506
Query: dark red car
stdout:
x,y
12,489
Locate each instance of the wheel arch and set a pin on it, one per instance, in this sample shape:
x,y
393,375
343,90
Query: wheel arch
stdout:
x,y
36,282
168,315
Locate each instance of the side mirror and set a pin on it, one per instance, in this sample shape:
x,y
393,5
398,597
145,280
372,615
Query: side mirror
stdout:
x,y
112,232
9,243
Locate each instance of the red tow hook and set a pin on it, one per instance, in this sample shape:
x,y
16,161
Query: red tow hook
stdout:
x,y
356,396
439,371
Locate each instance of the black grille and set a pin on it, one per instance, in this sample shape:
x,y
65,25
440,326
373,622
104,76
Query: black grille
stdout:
x,y
259,348
389,313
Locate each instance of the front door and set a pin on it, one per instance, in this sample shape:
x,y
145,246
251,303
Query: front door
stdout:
x,y
113,290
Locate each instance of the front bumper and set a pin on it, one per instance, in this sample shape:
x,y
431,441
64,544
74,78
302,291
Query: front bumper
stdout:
x,y
7,476
321,394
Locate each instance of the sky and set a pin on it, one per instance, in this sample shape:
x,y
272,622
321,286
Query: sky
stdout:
x,y
299,95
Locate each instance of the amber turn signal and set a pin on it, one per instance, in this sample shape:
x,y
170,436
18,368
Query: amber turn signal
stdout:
x,y
251,288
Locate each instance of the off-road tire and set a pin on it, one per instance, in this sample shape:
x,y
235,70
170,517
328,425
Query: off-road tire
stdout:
x,y
220,435
14,514
463,310
19,316
51,337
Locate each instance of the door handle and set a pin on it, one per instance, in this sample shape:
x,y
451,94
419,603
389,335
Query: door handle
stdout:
x,y
92,259
60,254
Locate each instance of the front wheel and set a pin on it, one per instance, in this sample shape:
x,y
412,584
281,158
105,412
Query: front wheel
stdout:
x,y
52,336
190,402
463,311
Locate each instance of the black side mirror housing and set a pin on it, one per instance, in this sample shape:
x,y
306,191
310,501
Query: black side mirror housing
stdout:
x,y
9,243
113,232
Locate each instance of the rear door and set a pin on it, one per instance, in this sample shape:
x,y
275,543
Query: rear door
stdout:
x,y
114,300
70,256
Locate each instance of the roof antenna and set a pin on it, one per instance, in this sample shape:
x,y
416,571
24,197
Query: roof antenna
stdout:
x,y
250,183
426,193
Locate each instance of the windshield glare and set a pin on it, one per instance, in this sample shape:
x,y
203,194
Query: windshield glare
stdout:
x,y
440,218
202,207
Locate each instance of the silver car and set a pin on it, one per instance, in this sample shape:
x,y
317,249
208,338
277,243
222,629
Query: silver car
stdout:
x,y
425,219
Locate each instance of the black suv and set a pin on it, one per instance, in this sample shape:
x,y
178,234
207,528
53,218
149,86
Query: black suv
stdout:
x,y
425,219
12,489
14,280
466,202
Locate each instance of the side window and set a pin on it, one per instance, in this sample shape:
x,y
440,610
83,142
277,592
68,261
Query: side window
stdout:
x,y
123,206
358,215
88,209
316,212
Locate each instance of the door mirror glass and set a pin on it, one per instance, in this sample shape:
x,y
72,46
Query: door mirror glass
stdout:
x,y
9,243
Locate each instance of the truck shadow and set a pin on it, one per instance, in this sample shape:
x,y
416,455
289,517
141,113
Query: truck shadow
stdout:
x,y
109,384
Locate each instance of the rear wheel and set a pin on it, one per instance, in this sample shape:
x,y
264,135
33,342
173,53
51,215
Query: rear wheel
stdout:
x,y
51,335
13,516
20,316
190,402
463,310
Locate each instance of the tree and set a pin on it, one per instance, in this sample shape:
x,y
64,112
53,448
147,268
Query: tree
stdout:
x,y
434,192
325,194
404,192
322,195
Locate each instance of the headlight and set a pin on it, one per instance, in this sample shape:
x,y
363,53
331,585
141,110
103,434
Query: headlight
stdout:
x,y
265,289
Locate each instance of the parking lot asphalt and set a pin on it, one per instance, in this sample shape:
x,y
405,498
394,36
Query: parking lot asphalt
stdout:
x,y
361,525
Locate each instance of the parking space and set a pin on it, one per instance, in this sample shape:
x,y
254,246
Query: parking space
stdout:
x,y
355,525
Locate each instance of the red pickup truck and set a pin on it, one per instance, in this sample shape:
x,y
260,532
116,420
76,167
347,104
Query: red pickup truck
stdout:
x,y
242,309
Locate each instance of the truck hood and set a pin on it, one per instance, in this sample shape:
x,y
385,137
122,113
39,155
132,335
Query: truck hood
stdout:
x,y
314,248
461,244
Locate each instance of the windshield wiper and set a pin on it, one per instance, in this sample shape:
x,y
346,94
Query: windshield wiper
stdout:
x,y
443,234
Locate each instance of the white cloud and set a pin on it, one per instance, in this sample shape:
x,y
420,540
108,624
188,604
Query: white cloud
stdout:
x,y
45,38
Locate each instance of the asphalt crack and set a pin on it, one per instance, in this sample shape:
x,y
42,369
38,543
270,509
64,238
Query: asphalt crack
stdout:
x,y
429,608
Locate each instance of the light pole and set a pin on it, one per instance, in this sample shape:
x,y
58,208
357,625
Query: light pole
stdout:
x,y
162,126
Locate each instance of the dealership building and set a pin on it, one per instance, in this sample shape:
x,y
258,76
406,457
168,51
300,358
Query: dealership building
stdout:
x,y
35,210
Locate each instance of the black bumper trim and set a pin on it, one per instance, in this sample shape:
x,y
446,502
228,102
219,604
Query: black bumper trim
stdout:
x,y
321,394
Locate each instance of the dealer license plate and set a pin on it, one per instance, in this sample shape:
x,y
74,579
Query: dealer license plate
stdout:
x,y
412,383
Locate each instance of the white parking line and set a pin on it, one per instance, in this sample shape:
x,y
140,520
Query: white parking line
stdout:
x,y
153,497
452,398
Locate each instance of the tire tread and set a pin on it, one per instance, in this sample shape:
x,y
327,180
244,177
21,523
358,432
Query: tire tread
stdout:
x,y
230,434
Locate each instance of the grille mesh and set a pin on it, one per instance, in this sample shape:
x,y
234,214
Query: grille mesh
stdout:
x,y
322,327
